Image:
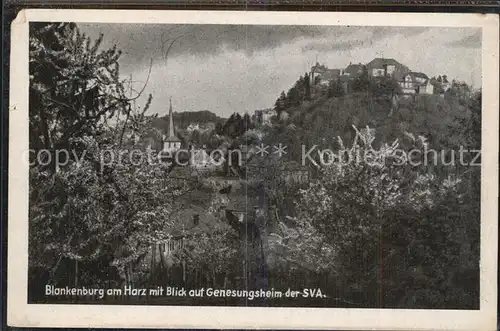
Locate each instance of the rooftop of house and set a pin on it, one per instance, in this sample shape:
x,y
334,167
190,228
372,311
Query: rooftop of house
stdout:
x,y
353,68
379,62
418,75
172,138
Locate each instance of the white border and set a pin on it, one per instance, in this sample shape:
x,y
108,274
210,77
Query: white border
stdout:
x,y
20,314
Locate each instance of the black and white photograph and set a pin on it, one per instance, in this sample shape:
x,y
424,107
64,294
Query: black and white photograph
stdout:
x,y
257,165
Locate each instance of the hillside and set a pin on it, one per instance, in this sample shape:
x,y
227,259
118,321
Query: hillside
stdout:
x,y
321,120
183,119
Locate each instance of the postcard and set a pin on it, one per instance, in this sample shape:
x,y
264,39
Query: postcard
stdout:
x,y
253,170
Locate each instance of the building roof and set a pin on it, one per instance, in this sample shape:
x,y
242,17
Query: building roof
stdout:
x,y
354,69
418,75
379,62
172,138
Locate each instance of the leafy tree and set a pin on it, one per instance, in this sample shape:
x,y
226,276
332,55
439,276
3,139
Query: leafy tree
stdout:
x,y
247,122
196,138
281,103
74,87
438,86
335,89
307,87
386,87
213,255
362,82
460,90
219,128
360,219
94,217
293,96
232,126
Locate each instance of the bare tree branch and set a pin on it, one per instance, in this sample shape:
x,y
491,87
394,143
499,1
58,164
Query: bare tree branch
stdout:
x,y
165,54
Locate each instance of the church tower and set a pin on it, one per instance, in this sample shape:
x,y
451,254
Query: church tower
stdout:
x,y
171,144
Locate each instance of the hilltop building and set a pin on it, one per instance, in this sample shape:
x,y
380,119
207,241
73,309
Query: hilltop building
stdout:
x,y
416,83
381,67
321,75
172,143
410,82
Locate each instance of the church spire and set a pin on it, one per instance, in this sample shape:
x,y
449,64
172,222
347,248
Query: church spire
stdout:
x,y
171,119
172,143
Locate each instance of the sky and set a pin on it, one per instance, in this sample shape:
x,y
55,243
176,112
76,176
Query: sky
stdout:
x,y
242,68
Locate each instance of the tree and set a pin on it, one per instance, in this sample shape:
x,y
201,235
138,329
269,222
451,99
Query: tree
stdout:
x,y
74,87
361,217
335,89
214,256
247,123
281,103
362,82
307,87
293,96
219,128
385,87
232,127
96,215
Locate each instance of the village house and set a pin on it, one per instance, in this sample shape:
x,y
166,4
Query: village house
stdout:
x,y
321,75
353,70
316,71
416,83
209,126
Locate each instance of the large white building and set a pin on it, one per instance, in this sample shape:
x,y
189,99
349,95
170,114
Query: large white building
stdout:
x,y
416,83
